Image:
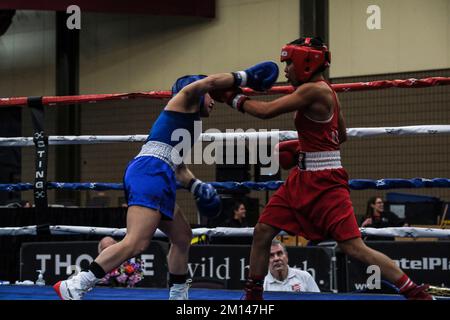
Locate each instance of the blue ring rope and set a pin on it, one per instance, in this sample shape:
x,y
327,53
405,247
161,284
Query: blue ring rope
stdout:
x,y
355,184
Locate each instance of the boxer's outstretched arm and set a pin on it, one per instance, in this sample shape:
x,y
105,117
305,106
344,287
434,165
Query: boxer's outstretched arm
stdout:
x,y
298,100
190,94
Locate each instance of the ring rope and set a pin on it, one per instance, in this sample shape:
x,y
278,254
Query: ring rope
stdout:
x,y
207,137
341,87
355,184
403,232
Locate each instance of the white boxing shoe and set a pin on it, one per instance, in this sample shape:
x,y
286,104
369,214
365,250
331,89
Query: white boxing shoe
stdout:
x,y
75,287
180,291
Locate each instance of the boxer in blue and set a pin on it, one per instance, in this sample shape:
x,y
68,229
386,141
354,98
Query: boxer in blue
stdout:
x,y
150,182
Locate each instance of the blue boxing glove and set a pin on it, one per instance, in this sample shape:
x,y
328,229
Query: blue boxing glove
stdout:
x,y
260,77
208,201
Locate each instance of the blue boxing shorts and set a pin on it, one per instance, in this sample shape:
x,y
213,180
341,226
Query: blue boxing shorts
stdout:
x,y
150,182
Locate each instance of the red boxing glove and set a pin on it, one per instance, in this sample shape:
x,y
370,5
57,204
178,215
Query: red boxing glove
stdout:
x,y
288,152
233,97
225,95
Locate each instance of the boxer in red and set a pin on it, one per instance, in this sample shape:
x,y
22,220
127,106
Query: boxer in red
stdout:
x,y
314,202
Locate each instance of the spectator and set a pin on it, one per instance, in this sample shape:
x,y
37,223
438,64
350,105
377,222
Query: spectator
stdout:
x,y
377,217
25,204
238,218
128,274
105,243
281,277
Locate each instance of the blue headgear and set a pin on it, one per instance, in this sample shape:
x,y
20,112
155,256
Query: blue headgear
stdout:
x,y
182,82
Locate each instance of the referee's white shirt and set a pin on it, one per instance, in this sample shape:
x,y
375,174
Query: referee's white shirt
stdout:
x,y
296,281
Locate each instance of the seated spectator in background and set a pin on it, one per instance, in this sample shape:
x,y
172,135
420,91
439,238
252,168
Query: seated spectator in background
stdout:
x,y
128,274
105,243
238,217
281,277
377,217
25,204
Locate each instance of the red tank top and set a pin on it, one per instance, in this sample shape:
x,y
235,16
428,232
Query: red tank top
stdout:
x,y
315,135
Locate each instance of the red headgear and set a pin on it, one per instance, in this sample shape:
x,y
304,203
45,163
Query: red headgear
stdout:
x,y
307,58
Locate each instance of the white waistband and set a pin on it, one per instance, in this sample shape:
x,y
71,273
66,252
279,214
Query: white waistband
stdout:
x,y
314,161
162,151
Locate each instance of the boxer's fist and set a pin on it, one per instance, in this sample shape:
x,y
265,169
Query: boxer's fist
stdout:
x,y
225,95
288,152
232,97
260,77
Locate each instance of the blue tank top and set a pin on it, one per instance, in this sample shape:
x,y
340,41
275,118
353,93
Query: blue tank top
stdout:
x,y
168,122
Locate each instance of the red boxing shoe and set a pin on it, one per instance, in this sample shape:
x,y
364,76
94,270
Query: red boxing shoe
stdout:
x,y
253,290
418,293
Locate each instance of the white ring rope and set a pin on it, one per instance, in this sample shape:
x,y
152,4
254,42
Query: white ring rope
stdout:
x,y
403,232
218,136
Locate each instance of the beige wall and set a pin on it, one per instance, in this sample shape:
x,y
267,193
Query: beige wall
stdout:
x,y
27,55
414,36
132,53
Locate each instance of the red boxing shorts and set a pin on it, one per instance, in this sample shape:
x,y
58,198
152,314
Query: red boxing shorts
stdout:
x,y
313,204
